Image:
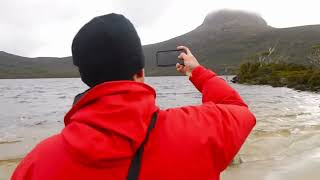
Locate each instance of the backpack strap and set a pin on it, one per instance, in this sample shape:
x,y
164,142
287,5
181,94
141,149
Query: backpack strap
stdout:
x,y
134,168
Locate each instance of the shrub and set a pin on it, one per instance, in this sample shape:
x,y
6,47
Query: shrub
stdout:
x,y
280,74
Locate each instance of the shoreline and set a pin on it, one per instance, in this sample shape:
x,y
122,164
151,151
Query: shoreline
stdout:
x,y
280,86
298,90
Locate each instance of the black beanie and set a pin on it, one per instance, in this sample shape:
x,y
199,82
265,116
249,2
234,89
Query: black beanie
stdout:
x,y
107,48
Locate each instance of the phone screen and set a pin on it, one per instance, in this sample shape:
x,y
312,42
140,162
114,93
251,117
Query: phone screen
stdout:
x,y
168,58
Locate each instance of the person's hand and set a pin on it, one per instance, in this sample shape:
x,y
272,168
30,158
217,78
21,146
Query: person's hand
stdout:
x,y
190,62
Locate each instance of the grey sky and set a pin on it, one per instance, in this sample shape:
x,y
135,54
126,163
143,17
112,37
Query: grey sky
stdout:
x,y
46,28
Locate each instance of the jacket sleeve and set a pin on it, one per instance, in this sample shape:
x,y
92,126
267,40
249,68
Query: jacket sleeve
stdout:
x,y
223,114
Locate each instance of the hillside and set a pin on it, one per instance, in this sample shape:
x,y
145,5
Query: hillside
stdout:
x,y
12,66
224,39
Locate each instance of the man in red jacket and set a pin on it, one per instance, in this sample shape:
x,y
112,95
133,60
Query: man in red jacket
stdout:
x,y
115,131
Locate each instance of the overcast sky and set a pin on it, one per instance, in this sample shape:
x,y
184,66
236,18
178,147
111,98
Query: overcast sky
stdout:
x,y
46,27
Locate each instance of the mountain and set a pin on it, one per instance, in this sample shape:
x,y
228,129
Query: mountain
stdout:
x,y
224,39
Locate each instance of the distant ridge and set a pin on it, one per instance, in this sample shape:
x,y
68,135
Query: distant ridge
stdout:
x,y
224,39
12,66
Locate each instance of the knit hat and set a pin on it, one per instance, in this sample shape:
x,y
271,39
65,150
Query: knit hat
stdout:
x,y
107,48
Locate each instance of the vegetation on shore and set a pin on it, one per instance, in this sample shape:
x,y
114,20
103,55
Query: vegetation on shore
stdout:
x,y
274,71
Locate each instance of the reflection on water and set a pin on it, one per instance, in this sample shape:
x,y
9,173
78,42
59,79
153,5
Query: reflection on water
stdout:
x,y
288,121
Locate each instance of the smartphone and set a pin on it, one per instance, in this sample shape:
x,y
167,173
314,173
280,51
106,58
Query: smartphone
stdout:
x,y
168,58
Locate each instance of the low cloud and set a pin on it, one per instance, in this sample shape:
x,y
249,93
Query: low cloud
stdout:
x,y
142,12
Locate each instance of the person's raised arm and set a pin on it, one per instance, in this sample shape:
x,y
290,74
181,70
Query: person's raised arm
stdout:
x,y
223,112
212,87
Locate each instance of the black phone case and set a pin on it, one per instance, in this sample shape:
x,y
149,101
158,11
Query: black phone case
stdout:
x,y
168,65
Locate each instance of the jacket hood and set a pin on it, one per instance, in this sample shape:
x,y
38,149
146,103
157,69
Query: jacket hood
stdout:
x,y
109,122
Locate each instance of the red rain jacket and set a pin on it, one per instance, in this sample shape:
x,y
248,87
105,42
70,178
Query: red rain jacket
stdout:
x,y
107,125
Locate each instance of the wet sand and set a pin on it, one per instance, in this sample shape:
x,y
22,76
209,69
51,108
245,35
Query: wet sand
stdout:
x,y
7,167
12,151
305,166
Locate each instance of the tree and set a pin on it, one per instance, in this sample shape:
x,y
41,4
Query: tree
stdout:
x,y
266,56
314,56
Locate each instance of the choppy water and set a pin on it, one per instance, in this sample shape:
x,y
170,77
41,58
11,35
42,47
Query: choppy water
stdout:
x,y
288,121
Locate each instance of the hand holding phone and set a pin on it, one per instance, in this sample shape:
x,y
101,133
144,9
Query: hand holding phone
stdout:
x,y
181,57
190,62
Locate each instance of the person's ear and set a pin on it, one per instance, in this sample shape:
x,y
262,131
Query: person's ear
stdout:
x,y
139,76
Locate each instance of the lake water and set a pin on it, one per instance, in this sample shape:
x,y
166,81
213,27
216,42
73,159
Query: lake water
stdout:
x,y
288,121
